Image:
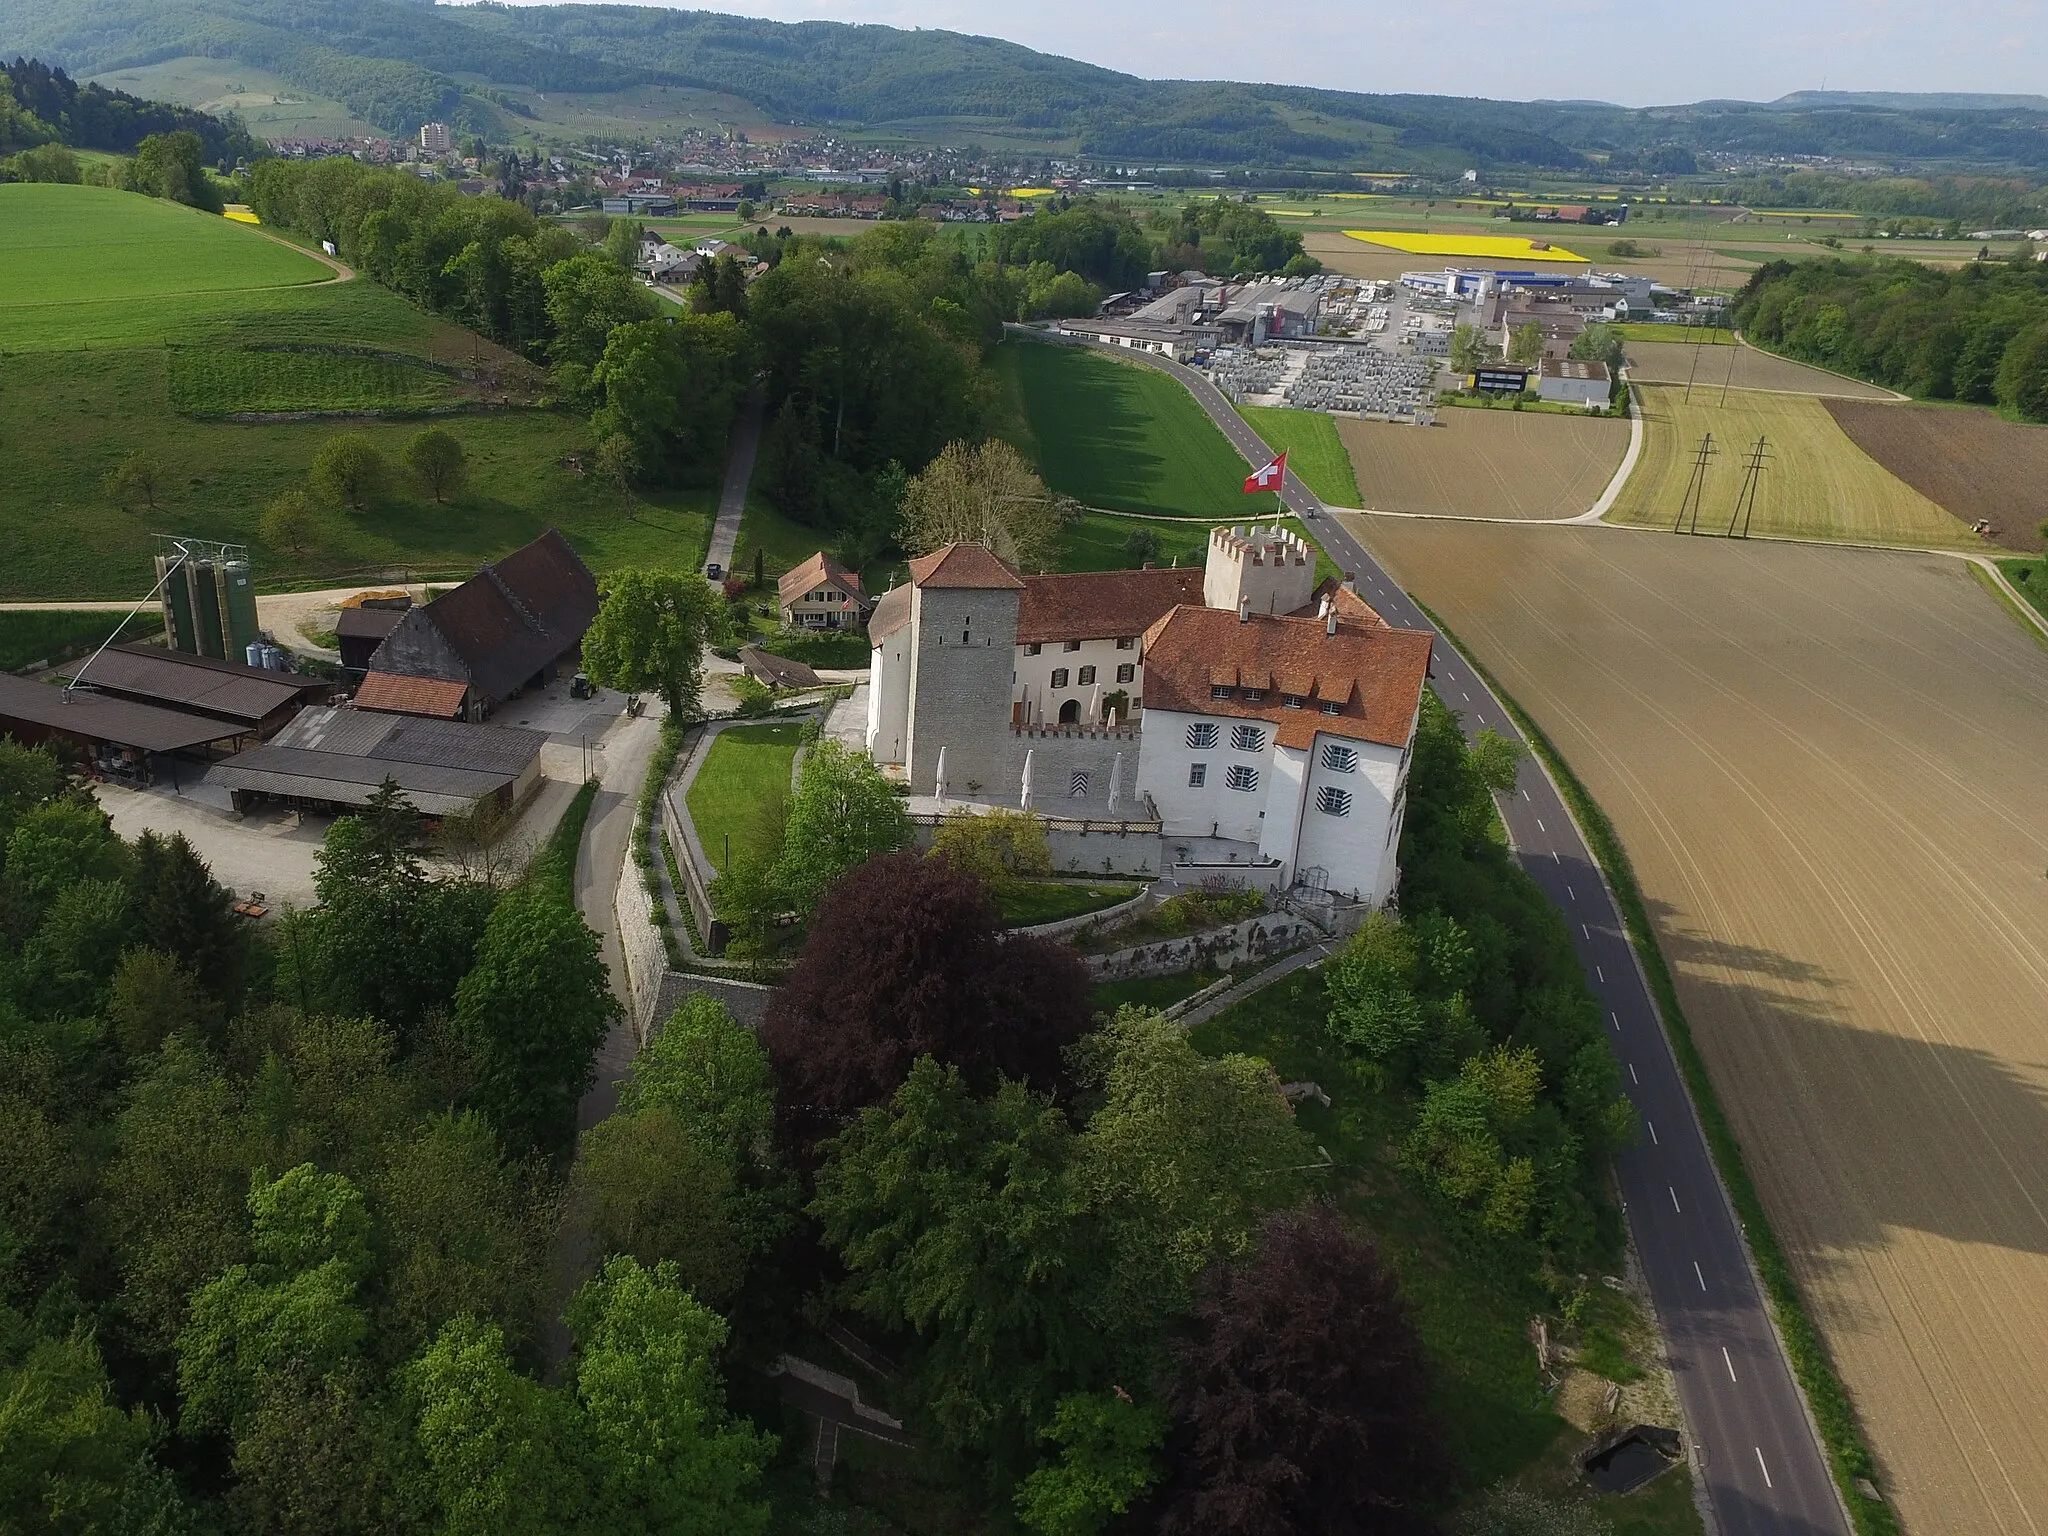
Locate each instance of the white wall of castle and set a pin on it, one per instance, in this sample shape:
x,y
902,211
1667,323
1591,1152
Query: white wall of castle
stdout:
x,y
1071,670
1271,568
889,697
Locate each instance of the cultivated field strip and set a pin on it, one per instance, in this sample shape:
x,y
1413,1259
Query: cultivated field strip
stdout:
x,y
1740,367
1817,484
1824,765
1971,462
1486,463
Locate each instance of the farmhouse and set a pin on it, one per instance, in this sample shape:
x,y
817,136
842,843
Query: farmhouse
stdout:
x,y
512,624
821,594
1258,721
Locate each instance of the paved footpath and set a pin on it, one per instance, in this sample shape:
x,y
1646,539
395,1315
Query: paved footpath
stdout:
x,y
1759,1458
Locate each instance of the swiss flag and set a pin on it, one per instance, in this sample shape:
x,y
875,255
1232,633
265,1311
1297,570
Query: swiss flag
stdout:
x,y
1267,479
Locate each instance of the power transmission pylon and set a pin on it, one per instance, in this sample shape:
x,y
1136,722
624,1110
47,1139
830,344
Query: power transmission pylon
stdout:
x,y
1745,498
1695,487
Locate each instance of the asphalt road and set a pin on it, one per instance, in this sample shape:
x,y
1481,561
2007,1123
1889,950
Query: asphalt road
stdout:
x,y
1755,1446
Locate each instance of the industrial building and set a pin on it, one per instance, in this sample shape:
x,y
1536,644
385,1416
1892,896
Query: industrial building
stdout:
x,y
253,701
1574,383
333,760
511,625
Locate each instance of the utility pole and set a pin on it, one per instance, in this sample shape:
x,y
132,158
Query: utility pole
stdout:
x,y
1745,498
1695,487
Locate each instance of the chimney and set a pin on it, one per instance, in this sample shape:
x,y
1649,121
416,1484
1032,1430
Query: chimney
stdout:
x,y
1330,622
1244,610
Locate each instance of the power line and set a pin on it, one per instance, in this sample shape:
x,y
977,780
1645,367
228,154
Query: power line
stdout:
x,y
1695,487
1752,479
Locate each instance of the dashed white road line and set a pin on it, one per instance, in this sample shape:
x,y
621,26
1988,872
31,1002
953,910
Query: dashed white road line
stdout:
x,y
1632,1075
1675,1206
1766,1470
1602,974
1699,1274
1653,1131
1614,1019
1728,1362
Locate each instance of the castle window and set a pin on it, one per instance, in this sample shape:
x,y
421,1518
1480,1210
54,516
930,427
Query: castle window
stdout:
x,y
1201,737
1198,775
1293,701
1241,776
1125,642
1077,784
1333,707
1255,695
1219,691
1247,738
1071,645
1033,648
1126,673
1087,676
1059,677
1332,801
1339,759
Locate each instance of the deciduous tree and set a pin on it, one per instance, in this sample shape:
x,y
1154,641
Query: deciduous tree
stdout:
x,y
650,633
349,471
905,957
289,523
842,814
535,1008
1302,1394
982,493
437,461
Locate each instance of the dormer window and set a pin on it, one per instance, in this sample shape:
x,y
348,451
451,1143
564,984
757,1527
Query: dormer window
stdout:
x,y
1219,691
1293,701
1332,707
1255,695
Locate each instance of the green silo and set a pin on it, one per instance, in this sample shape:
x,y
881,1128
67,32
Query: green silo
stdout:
x,y
205,606
241,607
177,605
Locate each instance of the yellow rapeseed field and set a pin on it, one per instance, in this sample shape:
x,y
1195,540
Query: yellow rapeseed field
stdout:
x,y
1515,247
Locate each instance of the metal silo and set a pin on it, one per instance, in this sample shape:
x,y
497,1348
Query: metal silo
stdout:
x,y
240,590
201,577
177,606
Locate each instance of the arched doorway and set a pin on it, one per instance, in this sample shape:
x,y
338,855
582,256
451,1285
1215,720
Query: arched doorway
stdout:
x,y
1070,712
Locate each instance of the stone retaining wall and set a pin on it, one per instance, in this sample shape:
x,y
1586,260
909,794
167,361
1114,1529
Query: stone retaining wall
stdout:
x,y
1223,949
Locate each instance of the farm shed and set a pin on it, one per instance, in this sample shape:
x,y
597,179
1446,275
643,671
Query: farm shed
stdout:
x,y
428,696
117,735
360,630
335,760
511,624
253,700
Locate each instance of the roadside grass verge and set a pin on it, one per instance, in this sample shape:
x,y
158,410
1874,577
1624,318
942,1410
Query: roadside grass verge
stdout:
x,y
1314,451
2030,580
1848,1453
554,866
55,634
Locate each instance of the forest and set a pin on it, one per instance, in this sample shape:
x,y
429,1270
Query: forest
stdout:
x,y
40,105
297,1233
1978,333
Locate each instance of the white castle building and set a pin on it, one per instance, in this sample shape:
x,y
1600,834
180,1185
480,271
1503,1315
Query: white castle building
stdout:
x,y
1245,717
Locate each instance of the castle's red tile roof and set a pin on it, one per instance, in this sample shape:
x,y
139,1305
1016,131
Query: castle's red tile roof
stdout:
x,y
1374,673
963,566
1099,605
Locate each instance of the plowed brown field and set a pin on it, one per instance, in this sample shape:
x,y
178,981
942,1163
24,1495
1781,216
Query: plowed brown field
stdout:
x,y
1971,462
1825,764
1479,463
1741,367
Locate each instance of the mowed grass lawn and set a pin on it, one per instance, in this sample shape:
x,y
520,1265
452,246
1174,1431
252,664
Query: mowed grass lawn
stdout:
x,y
1314,451
62,246
1817,483
1121,436
742,789
67,419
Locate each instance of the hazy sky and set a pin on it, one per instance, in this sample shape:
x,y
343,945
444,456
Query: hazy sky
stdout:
x,y
1632,51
